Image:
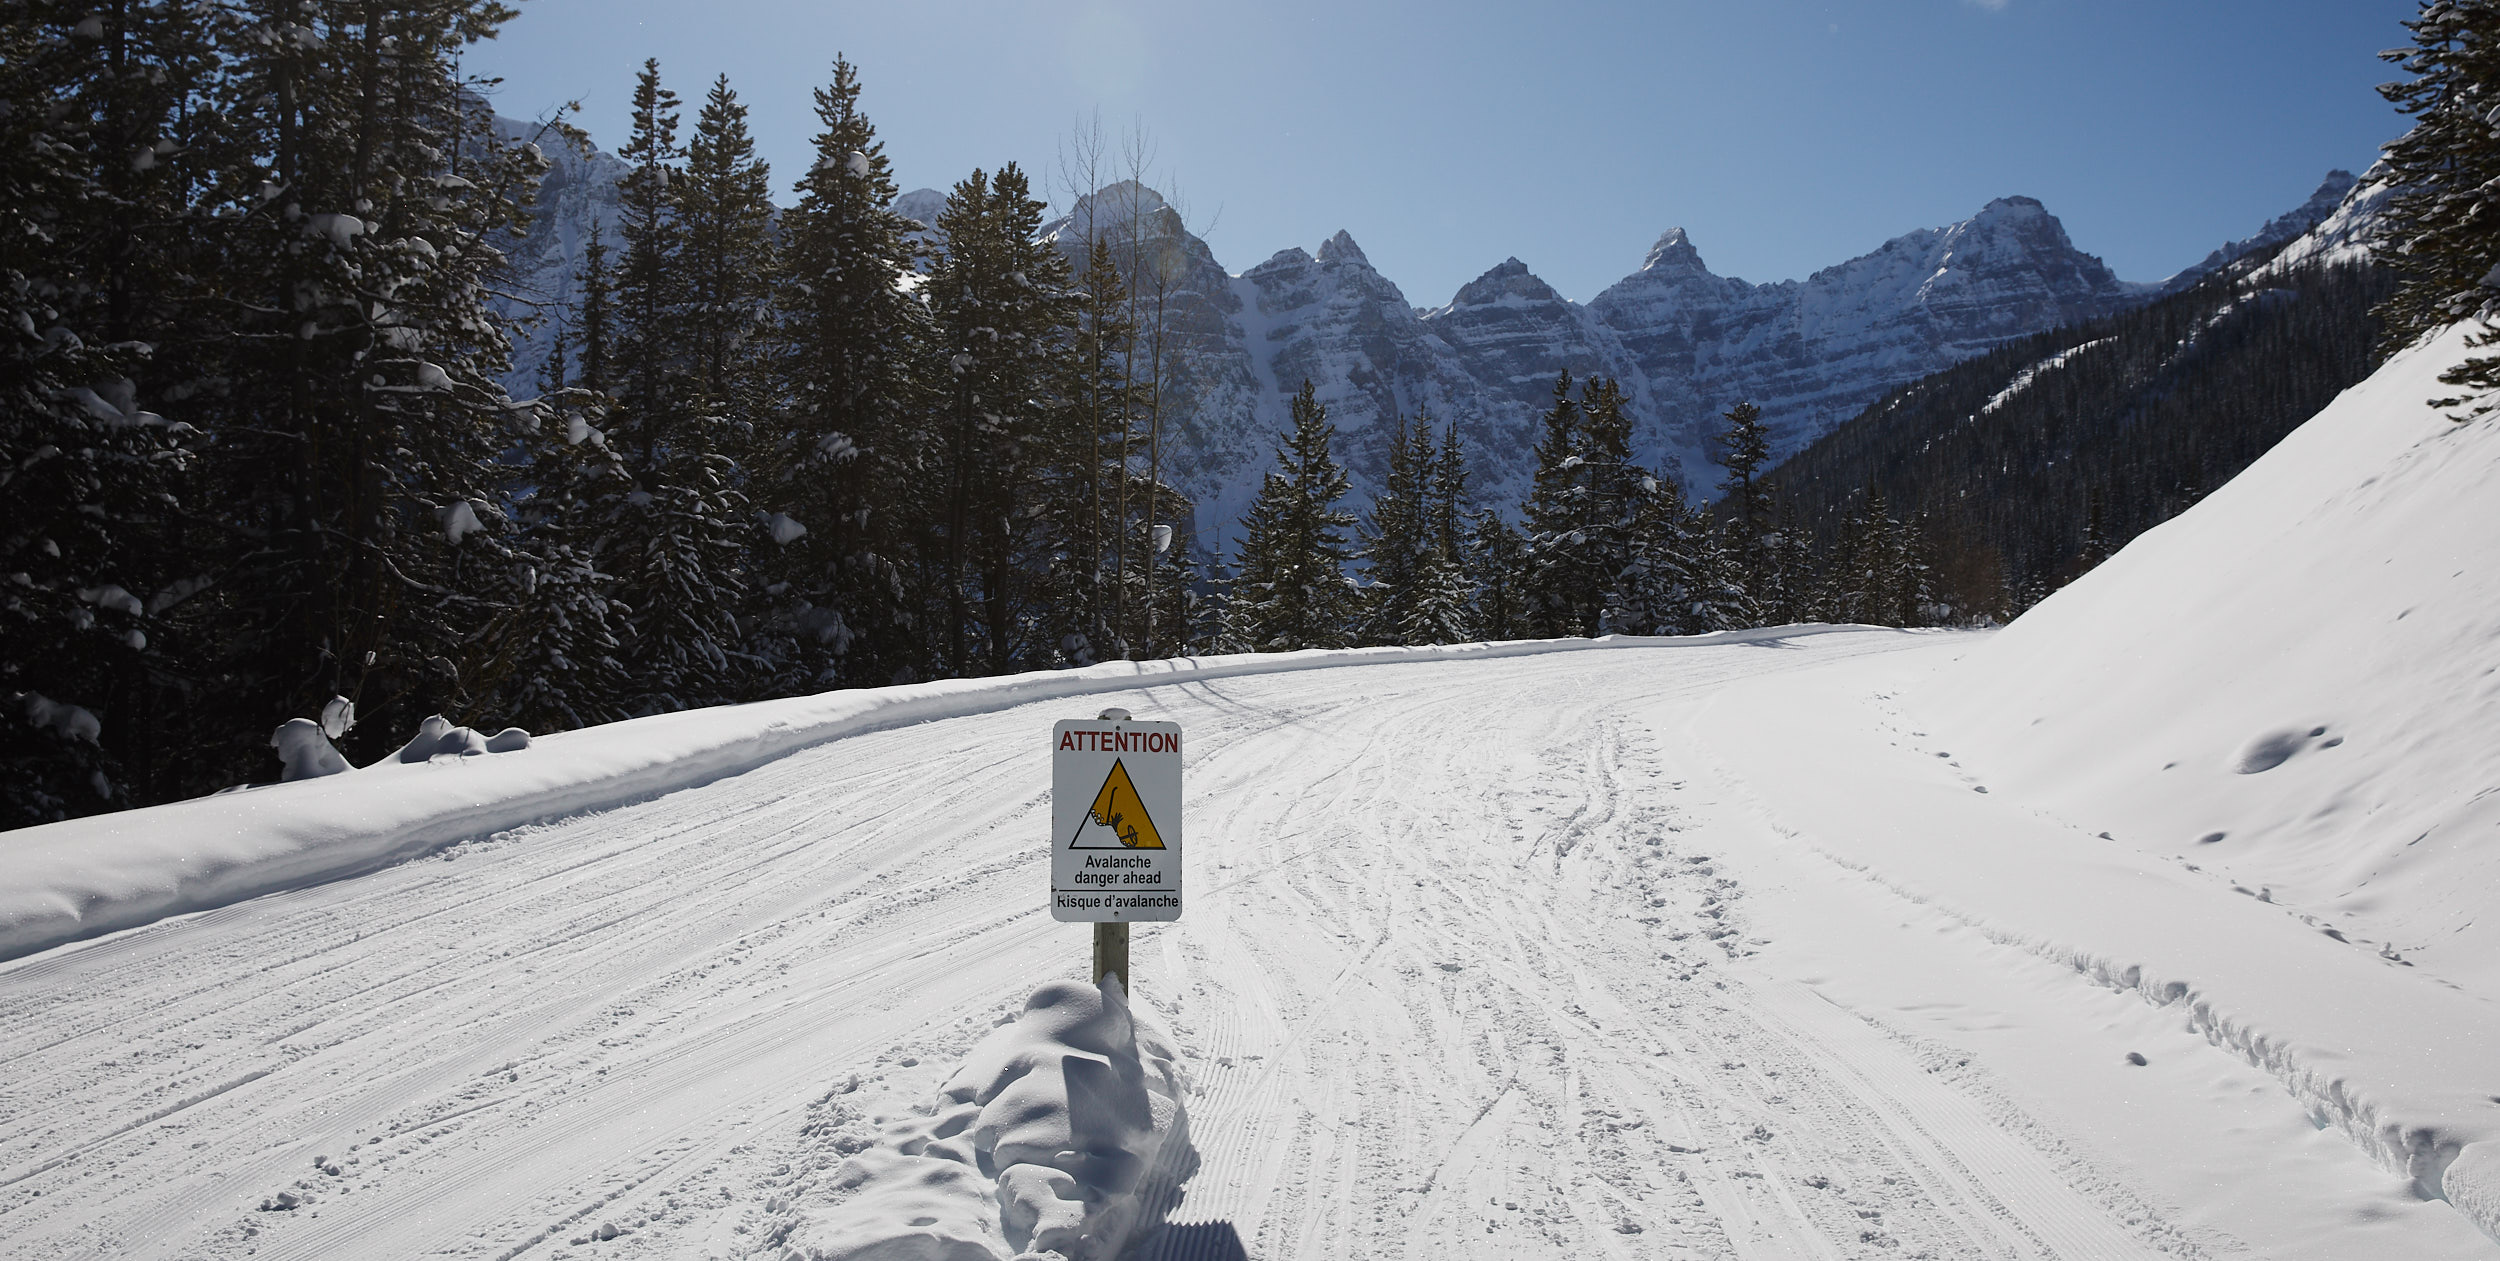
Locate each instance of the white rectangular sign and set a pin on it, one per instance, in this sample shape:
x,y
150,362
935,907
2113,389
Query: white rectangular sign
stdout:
x,y
1115,821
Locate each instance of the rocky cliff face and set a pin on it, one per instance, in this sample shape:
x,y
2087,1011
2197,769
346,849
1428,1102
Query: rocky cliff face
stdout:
x,y
1684,342
1813,353
579,190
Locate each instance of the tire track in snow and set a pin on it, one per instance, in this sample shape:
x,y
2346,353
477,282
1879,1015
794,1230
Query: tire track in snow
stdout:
x,y
1416,990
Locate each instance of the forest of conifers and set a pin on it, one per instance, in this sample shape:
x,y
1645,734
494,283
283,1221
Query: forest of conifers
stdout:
x,y
258,463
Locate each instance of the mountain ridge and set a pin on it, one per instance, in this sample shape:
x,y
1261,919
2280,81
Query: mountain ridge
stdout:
x,y
1684,342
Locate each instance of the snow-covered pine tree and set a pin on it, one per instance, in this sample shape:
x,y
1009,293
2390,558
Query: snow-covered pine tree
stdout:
x,y
724,209
1877,573
850,337
1745,507
1442,608
593,317
1497,576
726,257
1004,314
1397,534
1783,590
677,546
355,431
1184,621
1090,484
1292,590
1445,512
2446,170
676,530
1719,599
1658,588
552,660
1216,623
1548,518
652,365
1577,554
93,482
553,650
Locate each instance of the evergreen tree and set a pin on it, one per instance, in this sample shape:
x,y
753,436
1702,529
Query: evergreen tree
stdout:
x,y
650,288
357,431
1782,586
1745,515
1580,514
2446,169
1658,591
1003,310
1292,590
1497,575
92,480
593,316
1550,515
552,657
1440,608
1446,508
723,202
1092,484
675,532
850,337
1398,535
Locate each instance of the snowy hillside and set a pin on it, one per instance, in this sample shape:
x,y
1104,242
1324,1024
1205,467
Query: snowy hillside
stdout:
x,y
2294,685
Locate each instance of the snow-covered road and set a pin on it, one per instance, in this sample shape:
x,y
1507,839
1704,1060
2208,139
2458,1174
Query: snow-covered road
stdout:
x,y
1489,958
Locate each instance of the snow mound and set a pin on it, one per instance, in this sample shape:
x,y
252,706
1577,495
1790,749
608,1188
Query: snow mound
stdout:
x,y
1038,1146
2295,685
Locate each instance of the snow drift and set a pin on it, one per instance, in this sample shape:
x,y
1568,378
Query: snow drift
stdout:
x,y
1045,1143
2295,686
2297,681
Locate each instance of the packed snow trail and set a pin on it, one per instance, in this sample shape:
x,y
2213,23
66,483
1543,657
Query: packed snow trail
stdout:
x,y
1469,969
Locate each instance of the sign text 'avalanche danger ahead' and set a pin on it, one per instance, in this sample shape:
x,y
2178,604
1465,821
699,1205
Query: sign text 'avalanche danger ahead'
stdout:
x,y
1115,821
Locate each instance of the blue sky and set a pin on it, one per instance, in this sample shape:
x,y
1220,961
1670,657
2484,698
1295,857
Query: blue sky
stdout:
x,y
1783,135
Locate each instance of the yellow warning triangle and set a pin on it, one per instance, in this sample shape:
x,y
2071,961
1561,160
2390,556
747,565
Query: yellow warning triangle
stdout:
x,y
1118,809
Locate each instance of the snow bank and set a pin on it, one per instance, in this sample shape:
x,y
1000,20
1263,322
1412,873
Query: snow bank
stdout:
x,y
1038,1146
2296,682
2292,691
64,881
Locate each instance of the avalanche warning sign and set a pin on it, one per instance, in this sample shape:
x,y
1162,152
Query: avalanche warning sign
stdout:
x,y
1115,811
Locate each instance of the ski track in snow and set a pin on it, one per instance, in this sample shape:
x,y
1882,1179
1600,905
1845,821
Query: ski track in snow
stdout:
x,y
1458,978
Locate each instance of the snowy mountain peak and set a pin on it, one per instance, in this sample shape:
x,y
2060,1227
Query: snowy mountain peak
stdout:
x,y
1509,281
921,206
1341,250
1290,256
2331,195
2322,203
2015,210
1115,206
2019,224
1684,342
1675,253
